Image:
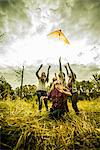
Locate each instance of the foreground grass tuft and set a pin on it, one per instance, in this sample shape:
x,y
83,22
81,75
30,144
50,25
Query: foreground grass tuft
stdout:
x,y
24,128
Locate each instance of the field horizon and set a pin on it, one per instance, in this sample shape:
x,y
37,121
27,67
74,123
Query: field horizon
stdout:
x,y
83,72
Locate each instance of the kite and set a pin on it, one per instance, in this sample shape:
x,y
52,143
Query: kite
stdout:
x,y
59,34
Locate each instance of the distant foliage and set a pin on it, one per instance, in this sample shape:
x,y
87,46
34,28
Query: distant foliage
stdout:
x,y
5,89
86,89
28,91
89,89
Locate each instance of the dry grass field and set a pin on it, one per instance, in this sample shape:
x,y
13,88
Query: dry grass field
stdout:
x,y
24,128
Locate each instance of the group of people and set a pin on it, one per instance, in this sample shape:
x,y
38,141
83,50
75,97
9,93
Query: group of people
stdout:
x,y
59,91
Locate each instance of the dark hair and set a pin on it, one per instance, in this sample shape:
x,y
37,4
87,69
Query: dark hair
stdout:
x,y
43,73
60,74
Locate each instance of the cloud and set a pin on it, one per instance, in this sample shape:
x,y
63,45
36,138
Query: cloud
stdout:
x,y
79,20
80,54
83,19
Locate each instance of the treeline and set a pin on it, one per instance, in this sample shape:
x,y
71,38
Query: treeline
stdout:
x,y
26,91
86,89
89,89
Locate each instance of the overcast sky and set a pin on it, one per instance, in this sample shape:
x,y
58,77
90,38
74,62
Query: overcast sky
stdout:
x,y
26,23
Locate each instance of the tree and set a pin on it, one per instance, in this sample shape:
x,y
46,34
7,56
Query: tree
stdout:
x,y
20,77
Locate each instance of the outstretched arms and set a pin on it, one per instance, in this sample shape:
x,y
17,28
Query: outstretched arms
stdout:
x,y
47,79
37,72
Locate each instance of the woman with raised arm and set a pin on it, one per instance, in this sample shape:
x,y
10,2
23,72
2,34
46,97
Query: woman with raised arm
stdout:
x,y
61,76
41,89
72,87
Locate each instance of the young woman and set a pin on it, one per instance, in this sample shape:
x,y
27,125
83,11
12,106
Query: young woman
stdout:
x,y
41,89
72,87
58,94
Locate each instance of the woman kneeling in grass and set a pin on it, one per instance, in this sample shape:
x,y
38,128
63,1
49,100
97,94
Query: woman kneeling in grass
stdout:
x,y
58,94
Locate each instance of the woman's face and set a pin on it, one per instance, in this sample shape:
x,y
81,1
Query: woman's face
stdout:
x,y
43,76
58,86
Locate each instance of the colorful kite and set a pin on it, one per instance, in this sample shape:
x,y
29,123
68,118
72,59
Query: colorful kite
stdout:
x,y
59,34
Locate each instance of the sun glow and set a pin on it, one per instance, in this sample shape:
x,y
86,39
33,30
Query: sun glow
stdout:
x,y
33,48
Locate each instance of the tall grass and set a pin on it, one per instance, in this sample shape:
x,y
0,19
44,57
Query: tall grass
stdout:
x,y
24,128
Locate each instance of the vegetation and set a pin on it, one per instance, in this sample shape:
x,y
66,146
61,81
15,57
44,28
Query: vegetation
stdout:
x,y
5,88
23,127
86,89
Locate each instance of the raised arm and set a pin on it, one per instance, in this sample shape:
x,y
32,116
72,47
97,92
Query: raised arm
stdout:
x,y
60,69
73,74
47,79
70,69
60,66
66,70
55,75
37,72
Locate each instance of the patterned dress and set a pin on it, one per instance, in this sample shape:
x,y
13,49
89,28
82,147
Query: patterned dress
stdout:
x,y
57,99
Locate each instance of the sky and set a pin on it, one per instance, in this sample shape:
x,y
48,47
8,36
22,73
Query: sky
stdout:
x,y
26,23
